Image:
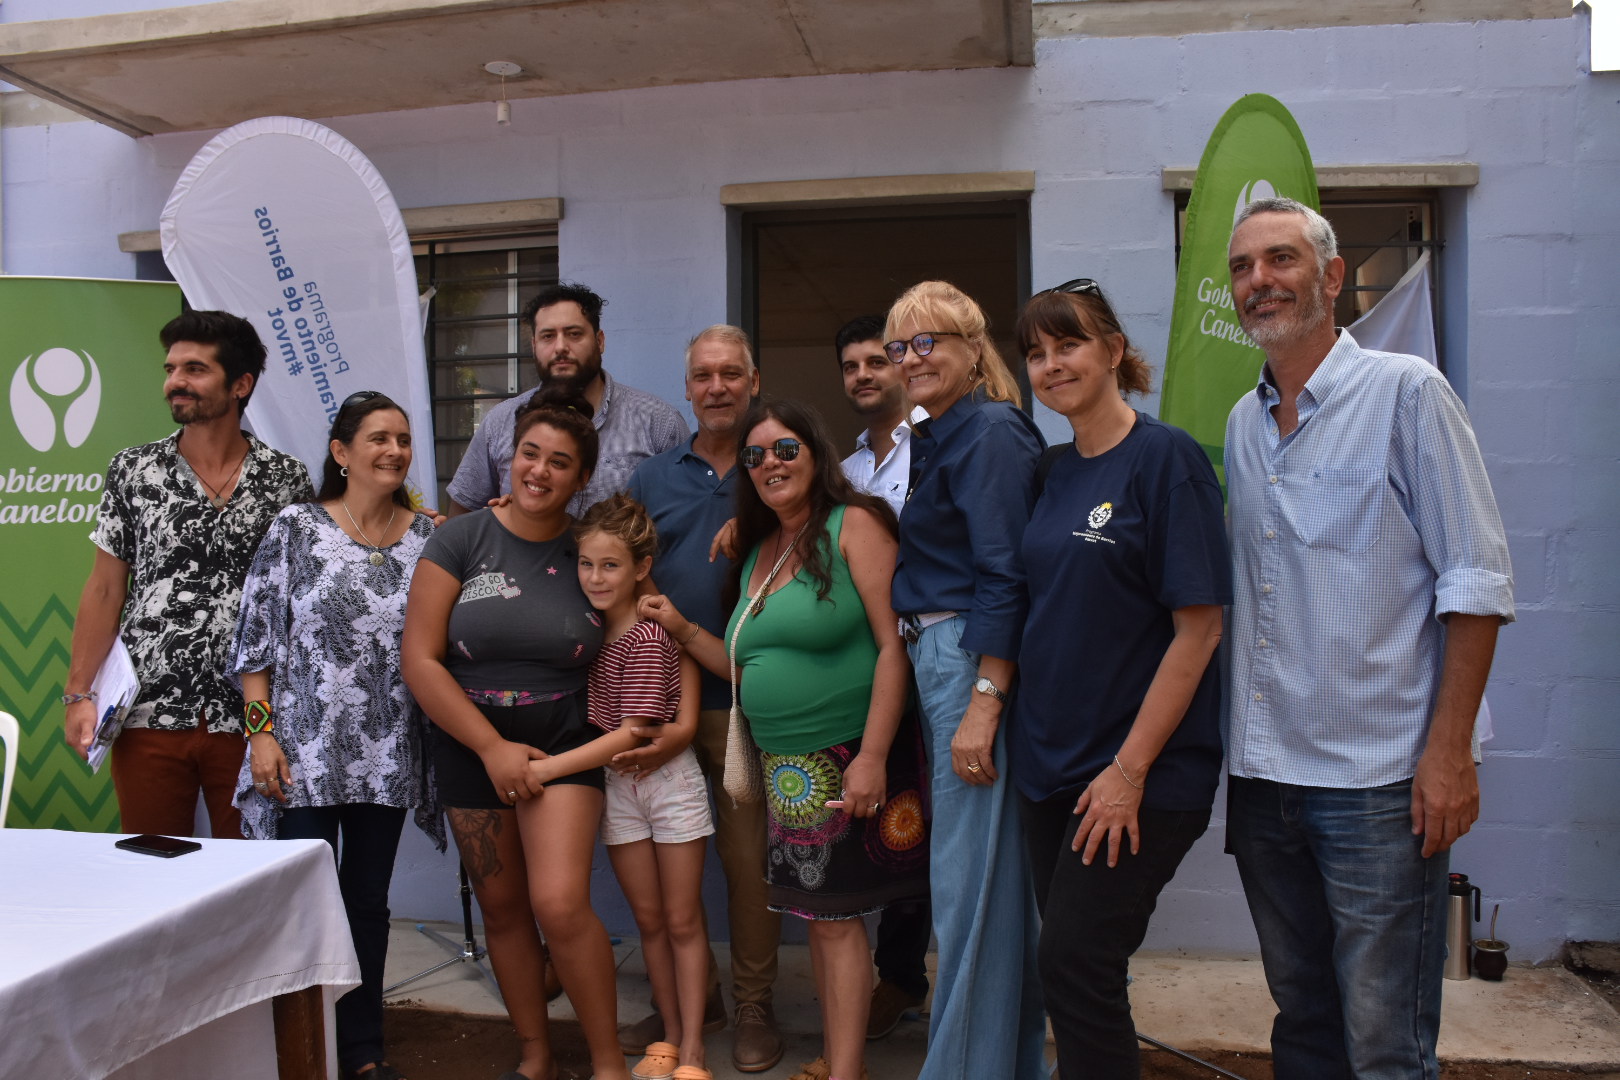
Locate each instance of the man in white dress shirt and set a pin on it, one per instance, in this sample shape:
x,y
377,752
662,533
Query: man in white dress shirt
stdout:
x,y
876,388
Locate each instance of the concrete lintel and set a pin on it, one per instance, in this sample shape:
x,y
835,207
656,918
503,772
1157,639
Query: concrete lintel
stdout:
x,y
875,190
19,108
1176,18
1440,174
427,222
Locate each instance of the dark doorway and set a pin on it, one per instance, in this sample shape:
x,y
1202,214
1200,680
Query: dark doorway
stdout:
x,y
807,272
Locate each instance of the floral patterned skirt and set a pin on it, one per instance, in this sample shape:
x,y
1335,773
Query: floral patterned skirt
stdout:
x,y
823,864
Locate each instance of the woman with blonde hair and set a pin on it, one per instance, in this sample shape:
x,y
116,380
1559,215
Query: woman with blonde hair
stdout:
x,y
959,591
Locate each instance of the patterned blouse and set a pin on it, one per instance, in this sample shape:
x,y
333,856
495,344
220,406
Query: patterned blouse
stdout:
x,y
187,561
329,623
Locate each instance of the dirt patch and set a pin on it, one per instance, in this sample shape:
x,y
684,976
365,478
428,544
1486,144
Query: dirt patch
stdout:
x,y
428,1045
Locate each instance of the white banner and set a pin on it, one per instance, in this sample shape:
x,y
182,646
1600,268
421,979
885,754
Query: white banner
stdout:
x,y
285,223
1403,319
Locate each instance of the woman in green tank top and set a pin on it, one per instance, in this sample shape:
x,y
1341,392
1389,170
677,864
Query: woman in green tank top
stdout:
x,y
824,680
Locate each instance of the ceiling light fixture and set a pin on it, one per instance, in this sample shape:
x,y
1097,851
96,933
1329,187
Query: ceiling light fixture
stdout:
x,y
503,68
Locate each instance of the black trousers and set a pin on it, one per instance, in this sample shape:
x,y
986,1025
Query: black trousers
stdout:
x,y
1092,919
365,857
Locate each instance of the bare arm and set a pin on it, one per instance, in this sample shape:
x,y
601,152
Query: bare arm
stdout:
x,y
269,763
871,553
704,647
1445,789
1110,802
434,591
94,629
592,755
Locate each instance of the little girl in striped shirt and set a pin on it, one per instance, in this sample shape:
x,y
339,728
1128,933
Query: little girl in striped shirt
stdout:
x,y
655,816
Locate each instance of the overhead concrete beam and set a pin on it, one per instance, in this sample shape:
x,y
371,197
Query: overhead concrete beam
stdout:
x,y
1175,18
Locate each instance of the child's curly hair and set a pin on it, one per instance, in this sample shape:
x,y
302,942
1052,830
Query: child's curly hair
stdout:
x,y
623,518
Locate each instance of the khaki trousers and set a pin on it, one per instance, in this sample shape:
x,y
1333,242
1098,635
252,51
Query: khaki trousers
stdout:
x,y
739,837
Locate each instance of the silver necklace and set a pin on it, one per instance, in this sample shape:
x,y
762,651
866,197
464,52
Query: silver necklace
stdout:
x,y
376,556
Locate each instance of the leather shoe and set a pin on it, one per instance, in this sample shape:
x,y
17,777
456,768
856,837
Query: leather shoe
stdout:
x,y
756,1044
634,1038
889,1004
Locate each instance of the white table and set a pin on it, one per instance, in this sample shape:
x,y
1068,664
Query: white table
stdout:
x,y
107,955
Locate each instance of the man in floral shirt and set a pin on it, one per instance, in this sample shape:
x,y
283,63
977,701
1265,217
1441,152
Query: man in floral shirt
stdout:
x,y
178,524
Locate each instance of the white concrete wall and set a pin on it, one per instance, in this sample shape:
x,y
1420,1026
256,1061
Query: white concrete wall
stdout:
x,y
1531,279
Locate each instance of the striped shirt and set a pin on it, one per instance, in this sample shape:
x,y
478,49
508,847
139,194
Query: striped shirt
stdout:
x,y
636,674
1351,537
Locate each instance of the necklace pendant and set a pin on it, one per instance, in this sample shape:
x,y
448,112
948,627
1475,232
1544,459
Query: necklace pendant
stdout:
x,y
375,558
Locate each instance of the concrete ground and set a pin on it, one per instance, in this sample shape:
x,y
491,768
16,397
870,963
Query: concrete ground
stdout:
x,y
1534,1016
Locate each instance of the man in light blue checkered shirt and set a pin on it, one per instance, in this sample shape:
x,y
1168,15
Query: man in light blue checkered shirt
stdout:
x,y
1370,577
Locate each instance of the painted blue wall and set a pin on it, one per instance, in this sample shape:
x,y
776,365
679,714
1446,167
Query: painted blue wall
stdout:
x,y
1530,311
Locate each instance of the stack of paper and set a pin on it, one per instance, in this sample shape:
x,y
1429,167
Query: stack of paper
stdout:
x,y
115,687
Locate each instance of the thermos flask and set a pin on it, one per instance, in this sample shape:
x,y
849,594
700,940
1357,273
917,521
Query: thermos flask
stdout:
x,y
1459,926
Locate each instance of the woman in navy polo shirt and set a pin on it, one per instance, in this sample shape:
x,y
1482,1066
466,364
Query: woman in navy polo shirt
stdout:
x,y
959,588
1115,741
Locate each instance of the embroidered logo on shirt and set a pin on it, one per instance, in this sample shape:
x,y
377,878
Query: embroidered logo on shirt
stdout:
x,y
1099,516
487,585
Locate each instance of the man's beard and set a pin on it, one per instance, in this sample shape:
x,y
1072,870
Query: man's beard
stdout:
x,y
196,410
1275,331
587,372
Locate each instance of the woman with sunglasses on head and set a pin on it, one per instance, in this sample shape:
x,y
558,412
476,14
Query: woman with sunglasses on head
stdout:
x,y
1115,740
335,749
498,643
823,681
959,588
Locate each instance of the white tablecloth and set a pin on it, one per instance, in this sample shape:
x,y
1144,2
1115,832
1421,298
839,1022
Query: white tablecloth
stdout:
x,y
107,954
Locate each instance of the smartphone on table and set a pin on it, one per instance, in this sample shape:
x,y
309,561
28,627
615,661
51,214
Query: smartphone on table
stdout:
x,y
164,847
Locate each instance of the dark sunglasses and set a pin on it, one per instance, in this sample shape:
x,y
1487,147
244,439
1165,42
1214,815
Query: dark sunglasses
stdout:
x,y
359,397
752,457
1079,285
922,344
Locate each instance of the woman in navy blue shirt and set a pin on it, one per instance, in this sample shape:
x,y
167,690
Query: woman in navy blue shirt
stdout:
x,y
1115,744
959,589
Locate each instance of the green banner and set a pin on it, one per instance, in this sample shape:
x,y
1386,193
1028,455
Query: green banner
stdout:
x,y
1255,152
84,370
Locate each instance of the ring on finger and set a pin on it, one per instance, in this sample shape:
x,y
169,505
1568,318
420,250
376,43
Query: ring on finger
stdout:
x,y
973,766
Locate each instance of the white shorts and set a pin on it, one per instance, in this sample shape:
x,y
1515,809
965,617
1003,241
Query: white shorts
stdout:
x,y
671,806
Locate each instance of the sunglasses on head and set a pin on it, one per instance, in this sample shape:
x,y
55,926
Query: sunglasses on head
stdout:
x,y
359,397
752,457
1079,285
922,344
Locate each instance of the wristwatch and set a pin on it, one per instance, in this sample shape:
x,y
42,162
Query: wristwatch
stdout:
x,y
985,686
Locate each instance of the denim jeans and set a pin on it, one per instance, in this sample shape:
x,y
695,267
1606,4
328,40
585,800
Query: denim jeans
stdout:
x,y
1092,919
370,838
1351,920
986,1019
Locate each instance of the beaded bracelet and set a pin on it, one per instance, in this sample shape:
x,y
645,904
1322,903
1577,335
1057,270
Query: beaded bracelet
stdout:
x,y
256,717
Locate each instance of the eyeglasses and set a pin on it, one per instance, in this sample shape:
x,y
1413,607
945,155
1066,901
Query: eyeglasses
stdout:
x,y
922,344
752,457
358,397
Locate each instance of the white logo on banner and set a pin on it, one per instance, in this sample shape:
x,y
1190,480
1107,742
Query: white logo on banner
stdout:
x,y
1253,191
56,373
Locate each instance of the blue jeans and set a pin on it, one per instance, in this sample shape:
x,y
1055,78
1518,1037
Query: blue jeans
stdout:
x,y
986,1019
365,867
1351,920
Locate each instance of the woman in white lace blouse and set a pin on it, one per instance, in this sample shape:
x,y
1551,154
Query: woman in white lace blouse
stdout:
x,y
334,738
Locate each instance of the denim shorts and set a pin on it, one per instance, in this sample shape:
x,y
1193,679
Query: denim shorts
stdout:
x,y
671,806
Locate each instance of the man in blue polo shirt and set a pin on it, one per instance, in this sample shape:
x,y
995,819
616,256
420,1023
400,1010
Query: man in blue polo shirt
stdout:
x,y
688,491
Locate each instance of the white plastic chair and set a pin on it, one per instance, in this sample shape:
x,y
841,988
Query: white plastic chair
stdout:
x,y
11,740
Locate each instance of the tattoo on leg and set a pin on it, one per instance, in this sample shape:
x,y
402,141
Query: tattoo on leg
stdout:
x,y
476,832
